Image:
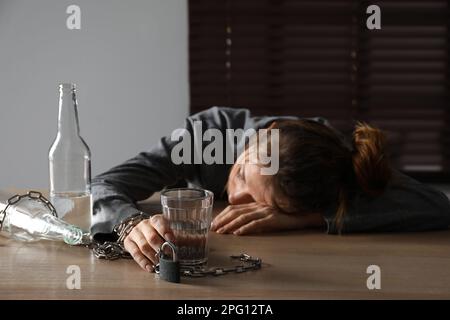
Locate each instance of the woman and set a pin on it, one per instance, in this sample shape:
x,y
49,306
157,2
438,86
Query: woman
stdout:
x,y
323,181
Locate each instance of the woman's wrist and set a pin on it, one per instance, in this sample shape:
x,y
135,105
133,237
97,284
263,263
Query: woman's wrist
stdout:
x,y
124,228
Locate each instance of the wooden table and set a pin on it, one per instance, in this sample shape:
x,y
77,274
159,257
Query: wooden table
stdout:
x,y
296,265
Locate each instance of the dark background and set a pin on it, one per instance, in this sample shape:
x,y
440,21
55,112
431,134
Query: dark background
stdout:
x,y
318,58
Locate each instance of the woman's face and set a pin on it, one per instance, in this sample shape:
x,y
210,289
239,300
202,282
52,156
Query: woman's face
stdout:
x,y
246,184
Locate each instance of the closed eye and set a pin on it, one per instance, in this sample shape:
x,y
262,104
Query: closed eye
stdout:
x,y
241,174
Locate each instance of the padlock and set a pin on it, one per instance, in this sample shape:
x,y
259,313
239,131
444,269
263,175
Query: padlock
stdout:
x,y
169,267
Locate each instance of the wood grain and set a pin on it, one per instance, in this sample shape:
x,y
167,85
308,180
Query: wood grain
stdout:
x,y
297,265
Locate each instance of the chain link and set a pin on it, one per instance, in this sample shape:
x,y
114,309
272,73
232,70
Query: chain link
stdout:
x,y
109,250
248,263
125,227
34,195
115,250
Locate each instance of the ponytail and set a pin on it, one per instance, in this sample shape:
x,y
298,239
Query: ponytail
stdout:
x,y
371,167
370,161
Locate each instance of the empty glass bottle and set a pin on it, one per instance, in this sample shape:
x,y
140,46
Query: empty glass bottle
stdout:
x,y
30,220
70,164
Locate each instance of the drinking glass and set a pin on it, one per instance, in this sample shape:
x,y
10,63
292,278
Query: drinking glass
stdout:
x,y
189,212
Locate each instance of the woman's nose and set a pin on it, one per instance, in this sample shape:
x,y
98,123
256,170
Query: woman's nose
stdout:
x,y
240,198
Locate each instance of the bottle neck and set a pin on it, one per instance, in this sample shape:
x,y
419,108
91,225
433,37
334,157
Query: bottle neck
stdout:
x,y
68,114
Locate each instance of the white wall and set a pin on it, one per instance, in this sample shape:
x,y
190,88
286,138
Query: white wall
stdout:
x,y
129,61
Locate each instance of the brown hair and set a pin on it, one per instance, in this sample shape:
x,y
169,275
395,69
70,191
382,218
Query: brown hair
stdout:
x,y
320,170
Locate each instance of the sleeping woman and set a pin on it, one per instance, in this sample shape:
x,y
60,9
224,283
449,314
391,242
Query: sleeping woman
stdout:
x,y
323,181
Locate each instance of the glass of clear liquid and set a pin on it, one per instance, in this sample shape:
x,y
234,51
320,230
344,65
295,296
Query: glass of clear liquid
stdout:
x,y
189,212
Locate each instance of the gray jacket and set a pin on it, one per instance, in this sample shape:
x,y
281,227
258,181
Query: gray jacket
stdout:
x,y
406,205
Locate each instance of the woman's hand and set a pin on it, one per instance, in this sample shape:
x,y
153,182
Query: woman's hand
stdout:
x,y
252,217
146,238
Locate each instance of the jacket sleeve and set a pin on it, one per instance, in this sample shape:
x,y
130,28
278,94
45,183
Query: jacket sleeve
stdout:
x,y
406,205
116,192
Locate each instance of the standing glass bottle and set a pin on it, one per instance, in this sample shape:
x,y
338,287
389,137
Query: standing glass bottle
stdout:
x,y
70,164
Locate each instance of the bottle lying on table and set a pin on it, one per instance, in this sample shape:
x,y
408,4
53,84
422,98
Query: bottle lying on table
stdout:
x,y
31,217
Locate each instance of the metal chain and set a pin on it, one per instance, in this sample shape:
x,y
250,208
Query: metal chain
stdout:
x,y
248,263
109,250
34,195
116,250
113,251
125,227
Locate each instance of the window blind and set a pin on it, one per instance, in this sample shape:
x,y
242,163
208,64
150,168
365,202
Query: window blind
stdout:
x,y
317,58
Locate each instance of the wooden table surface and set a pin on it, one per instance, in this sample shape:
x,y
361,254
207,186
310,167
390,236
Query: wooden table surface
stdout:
x,y
296,265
